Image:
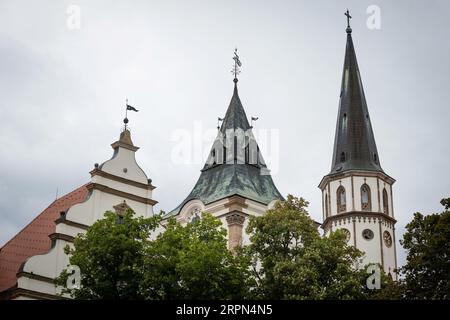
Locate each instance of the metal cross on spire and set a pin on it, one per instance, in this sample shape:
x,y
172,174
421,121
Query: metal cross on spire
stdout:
x,y
237,64
347,14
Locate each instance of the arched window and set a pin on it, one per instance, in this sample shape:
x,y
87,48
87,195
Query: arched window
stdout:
x,y
341,201
385,202
365,198
326,206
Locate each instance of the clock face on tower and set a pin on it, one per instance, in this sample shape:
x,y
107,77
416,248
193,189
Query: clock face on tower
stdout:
x,y
367,234
387,239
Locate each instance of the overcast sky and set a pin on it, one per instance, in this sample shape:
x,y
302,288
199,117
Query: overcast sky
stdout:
x,y
63,90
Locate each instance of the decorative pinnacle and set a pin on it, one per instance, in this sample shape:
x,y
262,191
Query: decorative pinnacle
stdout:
x,y
347,14
236,68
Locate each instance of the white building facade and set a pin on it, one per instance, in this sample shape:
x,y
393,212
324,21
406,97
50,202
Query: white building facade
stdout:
x,y
117,184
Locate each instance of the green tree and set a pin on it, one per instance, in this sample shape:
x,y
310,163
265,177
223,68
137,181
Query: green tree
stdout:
x,y
193,262
110,256
427,242
291,260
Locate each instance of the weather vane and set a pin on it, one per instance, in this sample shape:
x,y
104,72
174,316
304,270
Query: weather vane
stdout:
x,y
237,64
347,14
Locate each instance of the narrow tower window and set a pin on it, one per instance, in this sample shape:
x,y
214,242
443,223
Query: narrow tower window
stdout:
x,y
247,150
365,198
213,155
385,202
326,206
343,157
375,158
247,154
224,150
341,201
257,155
235,144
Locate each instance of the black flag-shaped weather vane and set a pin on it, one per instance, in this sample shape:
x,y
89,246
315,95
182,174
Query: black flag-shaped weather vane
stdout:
x,y
237,65
128,108
219,120
253,119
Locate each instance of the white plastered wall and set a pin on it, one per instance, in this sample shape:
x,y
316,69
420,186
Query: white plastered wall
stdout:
x,y
376,249
51,264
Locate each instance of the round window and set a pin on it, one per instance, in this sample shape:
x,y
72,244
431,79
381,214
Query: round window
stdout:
x,y
367,234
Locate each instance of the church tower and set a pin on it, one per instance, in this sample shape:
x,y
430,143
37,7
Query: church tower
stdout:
x,y
357,193
235,182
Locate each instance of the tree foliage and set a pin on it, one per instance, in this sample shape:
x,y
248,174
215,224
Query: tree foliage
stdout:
x,y
427,242
193,262
118,260
291,260
287,258
111,257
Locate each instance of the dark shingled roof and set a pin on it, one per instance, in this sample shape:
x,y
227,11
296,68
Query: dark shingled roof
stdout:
x,y
354,145
241,177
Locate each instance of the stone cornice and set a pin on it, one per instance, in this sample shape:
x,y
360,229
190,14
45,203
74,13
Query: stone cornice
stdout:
x,y
33,276
63,220
355,173
18,292
61,236
103,188
124,145
236,200
101,173
357,214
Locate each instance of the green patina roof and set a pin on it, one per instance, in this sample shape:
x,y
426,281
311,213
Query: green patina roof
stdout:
x,y
354,145
238,176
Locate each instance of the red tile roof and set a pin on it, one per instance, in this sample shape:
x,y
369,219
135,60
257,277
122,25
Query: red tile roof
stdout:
x,y
33,239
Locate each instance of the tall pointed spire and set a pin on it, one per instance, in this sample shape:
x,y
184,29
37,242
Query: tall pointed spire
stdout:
x,y
354,145
233,168
235,116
